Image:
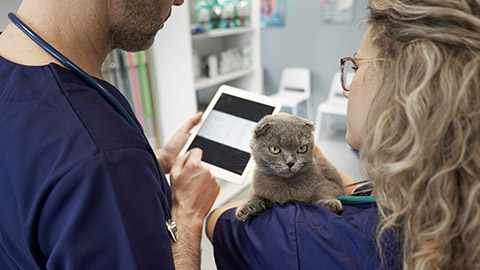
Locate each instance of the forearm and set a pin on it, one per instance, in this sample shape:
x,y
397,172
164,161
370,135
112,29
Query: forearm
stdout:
x,y
215,214
194,190
186,251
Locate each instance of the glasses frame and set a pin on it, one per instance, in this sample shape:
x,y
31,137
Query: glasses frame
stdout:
x,y
355,65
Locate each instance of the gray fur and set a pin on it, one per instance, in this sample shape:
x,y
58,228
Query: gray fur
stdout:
x,y
311,179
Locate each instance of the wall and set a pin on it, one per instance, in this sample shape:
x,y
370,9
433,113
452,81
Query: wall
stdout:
x,y
7,6
305,41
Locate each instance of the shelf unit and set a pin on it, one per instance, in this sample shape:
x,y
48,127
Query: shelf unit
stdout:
x,y
205,82
222,33
180,95
217,40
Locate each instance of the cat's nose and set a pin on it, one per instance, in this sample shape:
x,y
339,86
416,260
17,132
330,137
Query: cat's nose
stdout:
x,y
290,164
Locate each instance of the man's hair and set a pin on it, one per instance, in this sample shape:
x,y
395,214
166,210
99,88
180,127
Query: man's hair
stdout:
x,y
423,144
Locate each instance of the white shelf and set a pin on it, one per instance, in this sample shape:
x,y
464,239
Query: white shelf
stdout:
x,y
222,33
204,82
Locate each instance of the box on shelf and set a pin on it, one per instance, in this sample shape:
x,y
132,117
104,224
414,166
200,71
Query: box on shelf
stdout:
x,y
220,14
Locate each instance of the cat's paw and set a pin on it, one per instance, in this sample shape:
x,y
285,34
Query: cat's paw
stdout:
x,y
249,210
333,205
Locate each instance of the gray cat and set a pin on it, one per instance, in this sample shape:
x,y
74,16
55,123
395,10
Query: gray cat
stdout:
x,y
287,169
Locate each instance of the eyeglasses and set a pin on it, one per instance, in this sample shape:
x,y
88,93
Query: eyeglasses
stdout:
x,y
351,63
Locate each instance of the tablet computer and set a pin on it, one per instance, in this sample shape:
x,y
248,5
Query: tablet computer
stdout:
x,y
226,128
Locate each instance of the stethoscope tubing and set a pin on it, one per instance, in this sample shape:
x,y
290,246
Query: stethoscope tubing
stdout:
x,y
76,69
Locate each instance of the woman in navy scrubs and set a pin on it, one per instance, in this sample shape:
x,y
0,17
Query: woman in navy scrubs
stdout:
x,y
414,115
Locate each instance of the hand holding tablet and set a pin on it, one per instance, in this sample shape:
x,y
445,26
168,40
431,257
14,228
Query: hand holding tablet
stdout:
x,y
225,130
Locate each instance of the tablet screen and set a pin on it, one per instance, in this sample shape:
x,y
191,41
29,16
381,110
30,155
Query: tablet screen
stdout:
x,y
225,135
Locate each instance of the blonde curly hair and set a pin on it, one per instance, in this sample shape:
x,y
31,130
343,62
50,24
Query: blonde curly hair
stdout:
x,y
423,145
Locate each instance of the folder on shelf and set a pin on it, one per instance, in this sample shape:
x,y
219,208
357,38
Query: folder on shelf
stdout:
x,y
124,83
153,92
144,86
133,75
146,99
135,87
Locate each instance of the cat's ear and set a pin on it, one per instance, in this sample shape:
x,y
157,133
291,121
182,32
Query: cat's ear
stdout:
x,y
263,125
310,126
261,129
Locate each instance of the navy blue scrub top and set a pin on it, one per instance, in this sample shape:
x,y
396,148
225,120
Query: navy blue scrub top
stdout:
x,y
300,236
79,188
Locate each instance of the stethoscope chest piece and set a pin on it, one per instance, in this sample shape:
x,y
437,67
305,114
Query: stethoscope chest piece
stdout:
x,y
172,229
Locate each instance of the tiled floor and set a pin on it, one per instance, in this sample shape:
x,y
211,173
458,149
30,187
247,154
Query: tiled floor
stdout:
x,y
334,147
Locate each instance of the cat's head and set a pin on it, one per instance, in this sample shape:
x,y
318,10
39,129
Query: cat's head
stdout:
x,y
282,145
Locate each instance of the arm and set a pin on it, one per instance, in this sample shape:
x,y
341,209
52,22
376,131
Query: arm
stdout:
x,y
215,214
194,190
167,154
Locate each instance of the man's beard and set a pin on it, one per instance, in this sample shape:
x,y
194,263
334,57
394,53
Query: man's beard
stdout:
x,y
134,32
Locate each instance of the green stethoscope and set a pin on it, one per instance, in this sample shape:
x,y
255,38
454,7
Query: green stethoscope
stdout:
x,y
358,199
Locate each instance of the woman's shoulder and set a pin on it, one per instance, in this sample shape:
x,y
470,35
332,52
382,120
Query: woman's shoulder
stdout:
x,y
299,235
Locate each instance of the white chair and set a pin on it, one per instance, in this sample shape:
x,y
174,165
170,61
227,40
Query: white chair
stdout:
x,y
336,103
294,89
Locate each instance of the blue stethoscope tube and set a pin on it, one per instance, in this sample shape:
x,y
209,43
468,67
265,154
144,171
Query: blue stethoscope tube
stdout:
x,y
171,227
76,69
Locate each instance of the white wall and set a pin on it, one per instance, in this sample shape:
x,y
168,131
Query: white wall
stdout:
x,y
7,6
176,91
308,42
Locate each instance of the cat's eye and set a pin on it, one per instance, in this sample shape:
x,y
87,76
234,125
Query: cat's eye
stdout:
x,y
302,149
273,149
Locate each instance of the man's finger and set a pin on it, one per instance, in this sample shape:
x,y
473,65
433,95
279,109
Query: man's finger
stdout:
x,y
191,123
179,163
195,156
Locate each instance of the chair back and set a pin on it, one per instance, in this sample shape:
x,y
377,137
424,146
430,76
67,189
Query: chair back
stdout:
x,y
295,80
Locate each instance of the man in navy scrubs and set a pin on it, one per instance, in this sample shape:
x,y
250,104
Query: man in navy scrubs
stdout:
x,y
79,188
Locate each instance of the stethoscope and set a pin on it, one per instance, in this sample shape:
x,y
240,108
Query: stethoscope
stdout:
x,y
357,197
171,226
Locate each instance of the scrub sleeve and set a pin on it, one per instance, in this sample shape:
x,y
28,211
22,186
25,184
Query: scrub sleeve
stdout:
x,y
79,189
299,236
98,221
